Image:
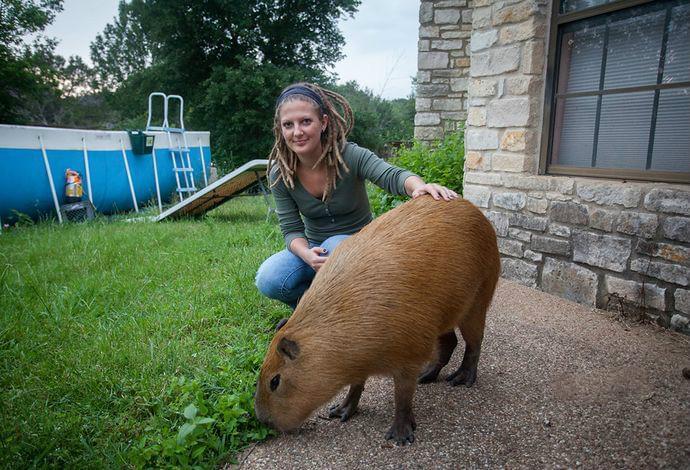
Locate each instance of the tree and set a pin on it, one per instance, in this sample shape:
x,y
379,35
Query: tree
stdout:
x,y
23,68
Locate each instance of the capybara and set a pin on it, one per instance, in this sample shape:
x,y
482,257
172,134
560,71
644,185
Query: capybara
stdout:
x,y
385,300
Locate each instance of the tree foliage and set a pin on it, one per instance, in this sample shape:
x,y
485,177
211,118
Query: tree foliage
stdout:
x,y
25,70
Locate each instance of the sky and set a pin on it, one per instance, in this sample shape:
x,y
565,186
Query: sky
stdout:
x,y
380,41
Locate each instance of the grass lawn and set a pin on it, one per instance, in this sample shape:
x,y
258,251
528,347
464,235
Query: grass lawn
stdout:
x,y
133,344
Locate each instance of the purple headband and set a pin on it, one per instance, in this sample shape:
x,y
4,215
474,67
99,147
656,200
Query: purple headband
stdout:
x,y
300,90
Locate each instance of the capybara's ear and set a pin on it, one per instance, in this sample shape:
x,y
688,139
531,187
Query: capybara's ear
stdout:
x,y
288,348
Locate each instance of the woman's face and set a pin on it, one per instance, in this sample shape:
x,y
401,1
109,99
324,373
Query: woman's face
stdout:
x,y
301,126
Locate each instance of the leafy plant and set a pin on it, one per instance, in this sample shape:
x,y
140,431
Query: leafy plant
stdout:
x,y
441,162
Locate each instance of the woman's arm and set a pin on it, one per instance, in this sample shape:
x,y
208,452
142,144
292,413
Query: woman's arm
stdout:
x,y
415,187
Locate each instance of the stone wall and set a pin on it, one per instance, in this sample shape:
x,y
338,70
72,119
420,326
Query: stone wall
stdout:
x,y
605,243
443,64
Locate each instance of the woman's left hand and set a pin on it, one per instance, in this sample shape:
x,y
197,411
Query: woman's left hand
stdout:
x,y
436,191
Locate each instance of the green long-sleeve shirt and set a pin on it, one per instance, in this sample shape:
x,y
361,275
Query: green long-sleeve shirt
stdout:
x,y
347,210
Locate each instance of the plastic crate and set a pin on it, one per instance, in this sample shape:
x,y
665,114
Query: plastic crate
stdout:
x,y
142,143
77,211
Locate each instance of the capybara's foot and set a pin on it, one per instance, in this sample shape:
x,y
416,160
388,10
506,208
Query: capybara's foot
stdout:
x,y
343,411
463,377
402,432
428,375
348,407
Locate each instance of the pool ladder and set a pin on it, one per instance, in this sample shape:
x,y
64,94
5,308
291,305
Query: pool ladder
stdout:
x,y
177,144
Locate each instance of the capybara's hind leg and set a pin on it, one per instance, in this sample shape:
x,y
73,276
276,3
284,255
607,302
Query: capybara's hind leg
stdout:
x,y
348,407
472,331
404,424
445,345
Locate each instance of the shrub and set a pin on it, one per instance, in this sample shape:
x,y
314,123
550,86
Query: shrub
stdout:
x,y
441,162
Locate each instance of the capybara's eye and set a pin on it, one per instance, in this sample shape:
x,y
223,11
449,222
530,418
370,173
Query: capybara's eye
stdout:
x,y
275,381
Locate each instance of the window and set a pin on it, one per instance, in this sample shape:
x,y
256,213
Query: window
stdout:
x,y
618,102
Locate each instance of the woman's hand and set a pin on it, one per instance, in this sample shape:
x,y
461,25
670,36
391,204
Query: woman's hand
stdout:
x,y
315,257
436,191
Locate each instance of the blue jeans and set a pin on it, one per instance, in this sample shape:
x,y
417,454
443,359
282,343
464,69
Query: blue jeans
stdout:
x,y
285,277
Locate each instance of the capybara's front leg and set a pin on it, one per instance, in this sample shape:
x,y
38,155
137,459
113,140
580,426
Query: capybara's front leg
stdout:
x,y
348,407
445,346
402,431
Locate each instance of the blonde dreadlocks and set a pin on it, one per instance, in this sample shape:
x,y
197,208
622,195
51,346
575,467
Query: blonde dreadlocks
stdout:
x,y
333,139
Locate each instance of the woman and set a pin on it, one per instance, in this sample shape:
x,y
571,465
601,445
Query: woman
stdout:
x,y
318,185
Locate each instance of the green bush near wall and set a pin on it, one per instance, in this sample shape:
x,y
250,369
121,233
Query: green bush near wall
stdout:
x,y
441,162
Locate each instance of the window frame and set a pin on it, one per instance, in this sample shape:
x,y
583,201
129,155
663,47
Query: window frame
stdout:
x,y
550,88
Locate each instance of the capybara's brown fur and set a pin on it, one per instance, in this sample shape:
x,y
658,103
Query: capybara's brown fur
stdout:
x,y
385,300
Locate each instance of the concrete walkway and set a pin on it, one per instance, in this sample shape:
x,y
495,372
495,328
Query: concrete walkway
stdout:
x,y
559,385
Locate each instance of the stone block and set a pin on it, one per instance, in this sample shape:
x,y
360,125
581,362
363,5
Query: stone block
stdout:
x,y
447,44
554,196
432,60
524,85
481,88
481,17
673,253
427,119
474,160
446,16
467,17
510,247
533,57
422,104
530,29
511,162
529,222
423,76
611,193
451,3
602,219
538,206
458,84
428,133
638,224
481,139
677,228
447,104
668,201
642,294
518,234
462,63
429,32
673,273
559,185
569,212
432,90
514,141
682,299
500,221
509,112
485,179
483,39
680,323
510,201
423,45
495,61
476,116
505,12
519,271
570,281
603,251
550,245
533,256
559,230
477,195
426,12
